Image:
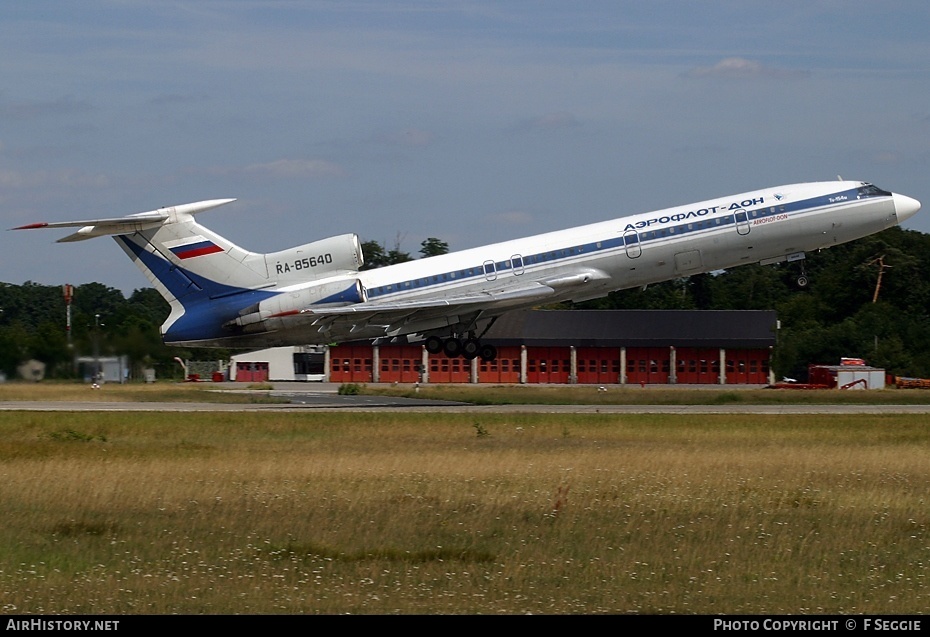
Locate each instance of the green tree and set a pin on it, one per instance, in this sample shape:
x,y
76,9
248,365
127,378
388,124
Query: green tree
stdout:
x,y
376,256
48,343
13,348
432,247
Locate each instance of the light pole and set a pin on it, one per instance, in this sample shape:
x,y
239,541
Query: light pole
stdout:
x,y
97,372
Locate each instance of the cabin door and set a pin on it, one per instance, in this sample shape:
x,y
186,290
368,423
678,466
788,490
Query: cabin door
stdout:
x,y
632,244
741,219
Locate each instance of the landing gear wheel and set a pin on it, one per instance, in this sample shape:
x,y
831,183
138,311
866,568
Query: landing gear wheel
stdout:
x,y
433,344
487,353
470,349
452,347
803,281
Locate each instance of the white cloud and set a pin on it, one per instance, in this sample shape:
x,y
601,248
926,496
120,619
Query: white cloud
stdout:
x,y
741,68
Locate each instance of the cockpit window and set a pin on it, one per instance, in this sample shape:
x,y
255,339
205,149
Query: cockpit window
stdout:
x,y
868,190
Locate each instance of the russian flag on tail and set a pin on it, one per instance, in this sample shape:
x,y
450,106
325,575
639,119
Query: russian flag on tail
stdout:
x,y
198,248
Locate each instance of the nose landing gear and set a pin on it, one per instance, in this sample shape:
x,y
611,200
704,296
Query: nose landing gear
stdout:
x,y
802,281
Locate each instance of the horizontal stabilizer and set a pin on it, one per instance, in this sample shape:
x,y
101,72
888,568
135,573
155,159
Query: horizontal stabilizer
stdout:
x,y
90,228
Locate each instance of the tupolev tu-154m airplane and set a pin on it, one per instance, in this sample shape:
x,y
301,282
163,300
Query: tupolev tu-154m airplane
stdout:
x,y
224,296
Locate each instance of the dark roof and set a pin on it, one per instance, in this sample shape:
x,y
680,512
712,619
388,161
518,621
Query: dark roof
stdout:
x,y
635,328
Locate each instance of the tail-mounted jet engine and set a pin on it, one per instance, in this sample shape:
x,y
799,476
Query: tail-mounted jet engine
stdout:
x,y
271,314
319,259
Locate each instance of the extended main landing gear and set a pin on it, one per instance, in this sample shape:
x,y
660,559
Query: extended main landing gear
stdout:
x,y
469,348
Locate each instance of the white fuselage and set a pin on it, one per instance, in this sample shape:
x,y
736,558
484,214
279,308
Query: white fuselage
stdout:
x,y
646,248
763,226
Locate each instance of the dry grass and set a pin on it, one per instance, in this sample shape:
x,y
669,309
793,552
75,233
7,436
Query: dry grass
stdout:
x,y
477,394
406,513
650,395
132,392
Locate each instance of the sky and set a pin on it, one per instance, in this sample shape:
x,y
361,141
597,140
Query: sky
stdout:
x,y
473,121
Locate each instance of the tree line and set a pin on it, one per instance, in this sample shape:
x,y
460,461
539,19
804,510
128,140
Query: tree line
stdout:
x,y
103,320
377,255
868,299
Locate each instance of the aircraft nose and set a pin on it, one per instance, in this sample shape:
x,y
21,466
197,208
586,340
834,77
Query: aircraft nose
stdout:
x,y
905,207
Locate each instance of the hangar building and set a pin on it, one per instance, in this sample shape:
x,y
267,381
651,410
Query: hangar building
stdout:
x,y
579,346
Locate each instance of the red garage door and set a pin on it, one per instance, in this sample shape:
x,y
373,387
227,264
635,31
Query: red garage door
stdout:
x,y
400,363
251,372
443,369
504,369
647,365
548,364
350,364
598,365
698,366
747,366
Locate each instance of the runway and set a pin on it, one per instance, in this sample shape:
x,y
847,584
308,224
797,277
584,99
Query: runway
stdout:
x,y
301,397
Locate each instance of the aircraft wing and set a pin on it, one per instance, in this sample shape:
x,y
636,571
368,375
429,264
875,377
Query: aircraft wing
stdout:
x,y
429,313
400,315
487,299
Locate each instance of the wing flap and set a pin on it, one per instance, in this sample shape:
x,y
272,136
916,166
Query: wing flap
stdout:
x,y
390,313
392,316
485,300
400,316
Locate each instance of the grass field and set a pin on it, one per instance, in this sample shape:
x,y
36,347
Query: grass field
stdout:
x,y
417,513
130,392
650,395
477,394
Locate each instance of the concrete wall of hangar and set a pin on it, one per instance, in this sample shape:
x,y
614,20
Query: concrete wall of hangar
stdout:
x,y
276,363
